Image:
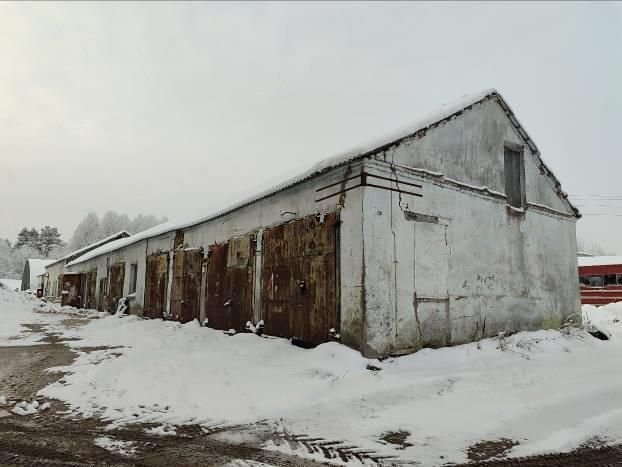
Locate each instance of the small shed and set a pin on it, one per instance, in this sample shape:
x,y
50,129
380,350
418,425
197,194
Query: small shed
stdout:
x,y
32,269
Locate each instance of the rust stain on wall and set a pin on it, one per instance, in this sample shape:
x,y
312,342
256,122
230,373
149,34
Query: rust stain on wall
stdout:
x,y
117,276
90,286
230,284
186,288
156,282
103,290
299,279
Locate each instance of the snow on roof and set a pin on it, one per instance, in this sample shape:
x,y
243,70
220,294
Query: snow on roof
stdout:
x,y
122,242
36,267
92,246
423,123
599,260
583,253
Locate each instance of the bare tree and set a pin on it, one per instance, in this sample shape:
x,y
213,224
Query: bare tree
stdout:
x,y
113,222
92,229
88,231
141,222
12,259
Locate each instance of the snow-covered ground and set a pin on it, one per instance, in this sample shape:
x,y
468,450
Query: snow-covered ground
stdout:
x,y
11,284
18,309
546,390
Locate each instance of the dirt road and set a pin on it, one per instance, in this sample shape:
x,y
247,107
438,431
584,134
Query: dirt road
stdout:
x,y
50,438
54,438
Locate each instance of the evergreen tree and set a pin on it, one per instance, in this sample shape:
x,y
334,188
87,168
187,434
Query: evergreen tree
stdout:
x,y
7,269
27,237
49,239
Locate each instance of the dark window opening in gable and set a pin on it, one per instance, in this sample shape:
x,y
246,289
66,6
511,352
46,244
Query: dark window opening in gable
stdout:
x,y
514,169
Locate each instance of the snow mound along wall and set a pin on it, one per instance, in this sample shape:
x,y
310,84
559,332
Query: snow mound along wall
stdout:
x,y
430,397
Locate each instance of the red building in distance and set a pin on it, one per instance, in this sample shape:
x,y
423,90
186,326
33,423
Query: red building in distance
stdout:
x,y
600,279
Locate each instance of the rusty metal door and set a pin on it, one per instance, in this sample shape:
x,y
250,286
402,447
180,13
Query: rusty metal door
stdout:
x,y
229,303
103,285
156,284
82,294
71,290
117,277
89,289
186,287
299,279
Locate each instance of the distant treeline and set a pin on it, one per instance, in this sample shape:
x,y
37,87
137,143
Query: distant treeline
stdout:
x,y
47,242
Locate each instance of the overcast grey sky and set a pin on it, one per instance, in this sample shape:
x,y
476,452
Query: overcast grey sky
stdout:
x,y
176,108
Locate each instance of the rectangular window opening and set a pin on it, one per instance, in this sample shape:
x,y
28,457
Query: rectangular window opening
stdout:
x,y
610,279
596,281
514,169
133,274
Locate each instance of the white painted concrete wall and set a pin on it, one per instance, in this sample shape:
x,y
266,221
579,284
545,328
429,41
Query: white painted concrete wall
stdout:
x,y
470,149
481,268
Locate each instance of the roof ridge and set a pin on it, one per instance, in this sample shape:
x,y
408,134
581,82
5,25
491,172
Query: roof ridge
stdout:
x,y
421,126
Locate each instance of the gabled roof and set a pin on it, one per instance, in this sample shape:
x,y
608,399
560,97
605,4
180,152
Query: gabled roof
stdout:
x,y
416,129
79,252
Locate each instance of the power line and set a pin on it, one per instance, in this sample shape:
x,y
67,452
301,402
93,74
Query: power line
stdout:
x,y
601,214
595,196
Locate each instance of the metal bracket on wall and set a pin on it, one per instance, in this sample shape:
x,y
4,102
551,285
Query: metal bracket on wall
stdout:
x,y
363,179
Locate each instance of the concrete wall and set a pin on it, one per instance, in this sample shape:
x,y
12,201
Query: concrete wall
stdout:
x,y
470,149
457,264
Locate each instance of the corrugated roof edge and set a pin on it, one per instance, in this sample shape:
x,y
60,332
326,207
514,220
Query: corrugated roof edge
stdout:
x,y
420,127
92,246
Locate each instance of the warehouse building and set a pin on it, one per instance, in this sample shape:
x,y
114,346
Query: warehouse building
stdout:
x,y
57,279
450,231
